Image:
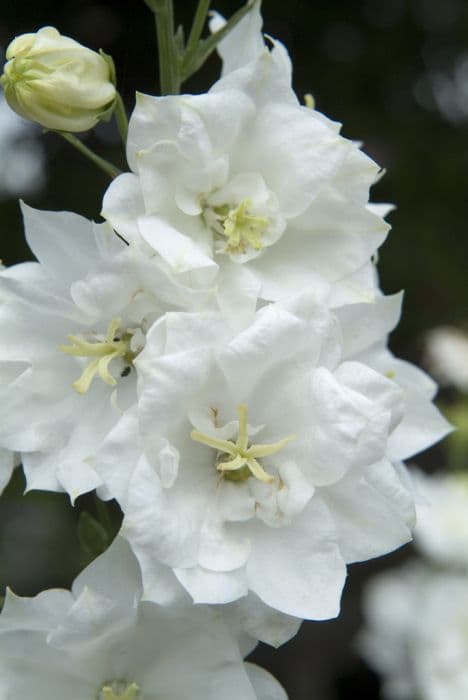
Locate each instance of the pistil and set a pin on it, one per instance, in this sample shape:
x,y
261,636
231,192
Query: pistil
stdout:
x,y
243,462
241,228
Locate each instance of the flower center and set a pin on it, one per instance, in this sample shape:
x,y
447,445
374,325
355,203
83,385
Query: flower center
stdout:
x,y
239,461
114,345
241,228
118,690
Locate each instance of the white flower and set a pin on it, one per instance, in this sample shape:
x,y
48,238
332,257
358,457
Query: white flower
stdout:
x,y
246,185
442,518
416,633
53,80
72,325
102,642
266,461
447,356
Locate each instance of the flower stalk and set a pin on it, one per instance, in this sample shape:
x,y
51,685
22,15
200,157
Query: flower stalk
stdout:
x,y
111,170
198,51
196,31
169,64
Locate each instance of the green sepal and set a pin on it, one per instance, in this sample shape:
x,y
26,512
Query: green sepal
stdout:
x,y
106,114
111,65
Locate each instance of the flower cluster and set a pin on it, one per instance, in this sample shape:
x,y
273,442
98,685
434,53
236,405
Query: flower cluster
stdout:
x,y
214,357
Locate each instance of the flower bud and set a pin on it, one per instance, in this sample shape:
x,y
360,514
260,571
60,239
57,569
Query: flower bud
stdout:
x,y
53,80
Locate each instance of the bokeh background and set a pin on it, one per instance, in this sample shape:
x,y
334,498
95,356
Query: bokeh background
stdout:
x,y
395,73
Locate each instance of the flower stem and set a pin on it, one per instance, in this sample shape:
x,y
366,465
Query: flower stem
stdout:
x,y
197,29
197,55
121,118
169,68
101,163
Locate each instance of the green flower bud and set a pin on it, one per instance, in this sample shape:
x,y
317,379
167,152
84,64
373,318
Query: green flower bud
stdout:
x,y
53,80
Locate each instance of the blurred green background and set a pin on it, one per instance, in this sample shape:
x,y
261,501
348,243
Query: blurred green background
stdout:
x,y
395,73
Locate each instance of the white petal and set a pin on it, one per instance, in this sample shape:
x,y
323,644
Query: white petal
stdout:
x,y
346,429
298,569
120,447
116,575
244,43
178,250
7,464
373,512
39,613
53,235
365,324
252,616
222,547
123,204
422,426
213,587
266,687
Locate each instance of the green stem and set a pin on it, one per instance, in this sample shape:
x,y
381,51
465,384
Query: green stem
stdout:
x,y
197,29
169,68
121,118
101,163
205,47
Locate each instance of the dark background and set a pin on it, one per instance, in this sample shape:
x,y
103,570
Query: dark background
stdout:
x,y
395,72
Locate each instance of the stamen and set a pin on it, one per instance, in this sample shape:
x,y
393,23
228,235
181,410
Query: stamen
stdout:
x,y
119,691
114,346
241,228
244,462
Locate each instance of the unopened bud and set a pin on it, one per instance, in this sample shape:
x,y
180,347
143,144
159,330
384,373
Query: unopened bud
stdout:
x,y
53,80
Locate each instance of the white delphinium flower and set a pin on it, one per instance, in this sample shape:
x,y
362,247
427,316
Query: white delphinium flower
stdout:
x,y
102,642
416,633
267,465
447,356
246,184
20,148
442,518
73,324
55,81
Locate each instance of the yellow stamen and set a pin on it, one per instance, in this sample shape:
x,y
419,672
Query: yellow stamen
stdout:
x,y
112,692
309,101
241,228
114,346
244,458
